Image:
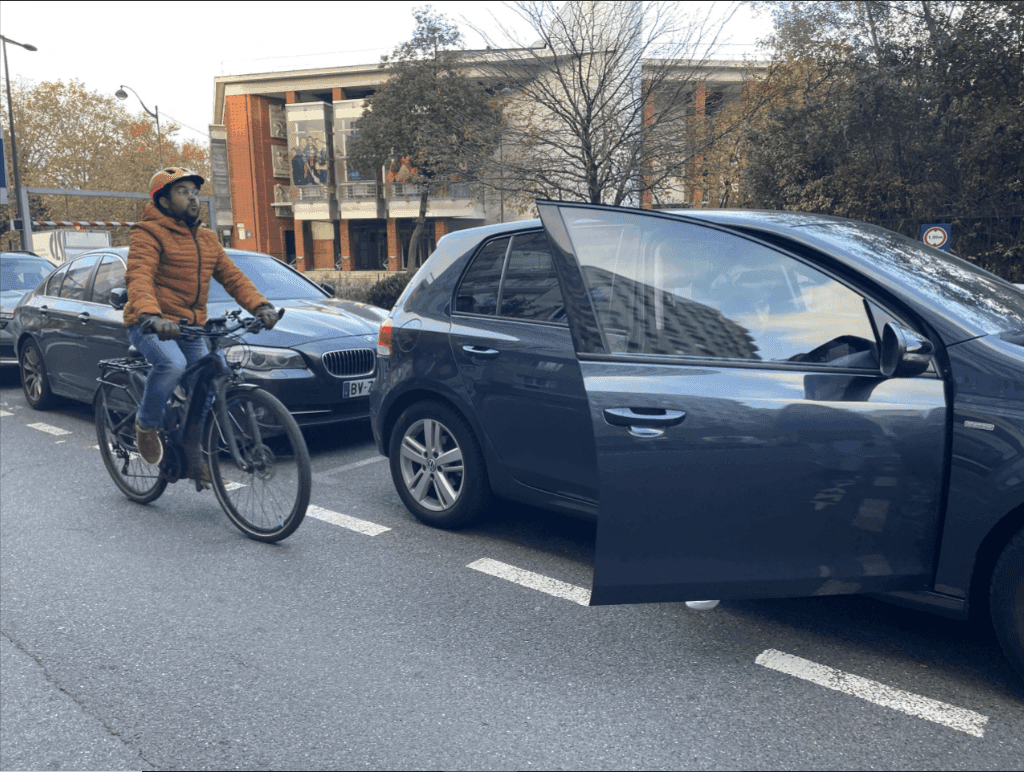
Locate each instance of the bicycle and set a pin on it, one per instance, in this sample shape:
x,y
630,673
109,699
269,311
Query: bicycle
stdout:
x,y
254,455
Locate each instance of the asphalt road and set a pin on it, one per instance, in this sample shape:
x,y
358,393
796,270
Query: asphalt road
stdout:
x,y
158,637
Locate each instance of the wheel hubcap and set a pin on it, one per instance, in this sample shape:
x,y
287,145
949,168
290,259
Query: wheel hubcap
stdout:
x,y
33,375
432,465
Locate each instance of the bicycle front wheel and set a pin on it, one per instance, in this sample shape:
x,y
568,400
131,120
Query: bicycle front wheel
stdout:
x,y
265,491
115,432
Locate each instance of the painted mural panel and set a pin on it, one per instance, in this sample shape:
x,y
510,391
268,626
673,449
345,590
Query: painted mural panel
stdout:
x,y
310,151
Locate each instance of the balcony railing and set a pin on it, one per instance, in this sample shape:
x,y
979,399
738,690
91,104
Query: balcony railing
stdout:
x,y
358,190
451,190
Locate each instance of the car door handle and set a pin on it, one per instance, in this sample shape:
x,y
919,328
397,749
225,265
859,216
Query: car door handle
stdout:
x,y
479,351
652,417
83,317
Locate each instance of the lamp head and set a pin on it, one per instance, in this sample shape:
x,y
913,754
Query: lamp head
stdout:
x,y
121,94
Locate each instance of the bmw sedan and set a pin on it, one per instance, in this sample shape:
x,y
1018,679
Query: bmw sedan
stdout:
x,y
751,404
20,272
318,360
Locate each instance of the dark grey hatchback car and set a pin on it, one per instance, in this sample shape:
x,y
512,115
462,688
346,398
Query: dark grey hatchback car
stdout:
x,y
752,404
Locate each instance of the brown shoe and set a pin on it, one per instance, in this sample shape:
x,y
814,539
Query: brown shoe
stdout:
x,y
149,444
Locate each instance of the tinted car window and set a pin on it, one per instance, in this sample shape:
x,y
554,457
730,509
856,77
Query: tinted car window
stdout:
x,y
109,275
530,288
478,293
19,273
272,278
668,288
54,282
77,277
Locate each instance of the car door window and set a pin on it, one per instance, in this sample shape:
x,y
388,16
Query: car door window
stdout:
x,y
478,292
54,282
110,275
77,278
529,289
667,288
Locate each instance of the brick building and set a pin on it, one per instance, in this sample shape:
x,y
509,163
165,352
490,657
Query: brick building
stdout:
x,y
283,185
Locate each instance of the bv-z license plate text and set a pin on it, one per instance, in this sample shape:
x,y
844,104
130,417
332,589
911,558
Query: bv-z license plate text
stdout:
x,y
356,388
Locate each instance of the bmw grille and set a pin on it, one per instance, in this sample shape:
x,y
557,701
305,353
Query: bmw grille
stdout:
x,y
351,362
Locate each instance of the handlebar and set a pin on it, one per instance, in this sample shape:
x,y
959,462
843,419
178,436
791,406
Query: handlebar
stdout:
x,y
220,326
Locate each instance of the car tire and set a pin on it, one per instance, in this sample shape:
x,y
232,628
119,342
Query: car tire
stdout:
x,y
35,381
450,494
1006,601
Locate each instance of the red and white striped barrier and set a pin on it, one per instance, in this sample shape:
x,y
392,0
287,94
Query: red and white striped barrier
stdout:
x,y
81,223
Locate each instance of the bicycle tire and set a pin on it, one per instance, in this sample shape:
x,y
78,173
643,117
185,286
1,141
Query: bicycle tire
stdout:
x,y
115,433
268,501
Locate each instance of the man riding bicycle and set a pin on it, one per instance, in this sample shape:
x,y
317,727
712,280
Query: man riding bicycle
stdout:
x,y
170,262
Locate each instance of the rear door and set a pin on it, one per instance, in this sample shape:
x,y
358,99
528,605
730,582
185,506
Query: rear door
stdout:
x,y
69,318
103,334
515,354
746,442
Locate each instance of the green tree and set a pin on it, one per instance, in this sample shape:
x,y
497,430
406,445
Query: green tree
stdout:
x,y
70,137
899,113
427,114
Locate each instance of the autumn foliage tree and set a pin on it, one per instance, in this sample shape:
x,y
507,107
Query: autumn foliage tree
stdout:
x,y
70,137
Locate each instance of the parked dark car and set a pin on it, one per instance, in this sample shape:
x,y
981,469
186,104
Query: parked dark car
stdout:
x,y
752,404
20,272
318,360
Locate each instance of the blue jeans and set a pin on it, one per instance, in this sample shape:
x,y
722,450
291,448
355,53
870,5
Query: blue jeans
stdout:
x,y
169,359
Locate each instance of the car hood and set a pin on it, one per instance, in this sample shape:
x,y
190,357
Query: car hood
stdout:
x,y
316,319
10,298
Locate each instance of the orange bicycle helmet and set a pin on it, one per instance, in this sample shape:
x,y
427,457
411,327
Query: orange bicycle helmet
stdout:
x,y
164,178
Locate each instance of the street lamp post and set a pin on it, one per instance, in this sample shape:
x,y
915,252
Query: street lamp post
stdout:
x,y
22,215
122,94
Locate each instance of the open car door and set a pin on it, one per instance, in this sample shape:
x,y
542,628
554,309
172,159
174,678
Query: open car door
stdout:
x,y
747,442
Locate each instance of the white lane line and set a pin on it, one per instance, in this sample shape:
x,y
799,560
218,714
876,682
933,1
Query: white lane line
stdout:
x,y
5,413
345,521
48,429
353,465
961,719
533,581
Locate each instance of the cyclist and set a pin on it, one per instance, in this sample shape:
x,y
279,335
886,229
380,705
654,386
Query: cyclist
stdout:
x,y
170,262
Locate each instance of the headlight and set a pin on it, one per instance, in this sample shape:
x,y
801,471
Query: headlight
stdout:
x,y
265,358
6,315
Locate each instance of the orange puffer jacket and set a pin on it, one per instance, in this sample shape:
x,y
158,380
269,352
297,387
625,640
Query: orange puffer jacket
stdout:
x,y
169,271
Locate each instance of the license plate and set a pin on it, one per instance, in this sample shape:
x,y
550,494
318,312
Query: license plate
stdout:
x,y
356,388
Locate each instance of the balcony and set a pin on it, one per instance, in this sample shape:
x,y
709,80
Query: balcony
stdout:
x,y
454,199
360,200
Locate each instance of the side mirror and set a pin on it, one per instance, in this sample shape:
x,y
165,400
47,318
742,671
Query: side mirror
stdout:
x,y
119,297
327,288
904,353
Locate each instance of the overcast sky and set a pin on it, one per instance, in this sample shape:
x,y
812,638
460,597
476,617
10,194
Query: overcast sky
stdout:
x,y
170,52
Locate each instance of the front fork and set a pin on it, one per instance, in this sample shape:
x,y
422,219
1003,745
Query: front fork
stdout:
x,y
228,426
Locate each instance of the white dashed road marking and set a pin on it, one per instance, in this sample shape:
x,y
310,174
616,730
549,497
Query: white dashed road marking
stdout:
x,y
5,413
961,719
533,581
48,429
345,521
353,465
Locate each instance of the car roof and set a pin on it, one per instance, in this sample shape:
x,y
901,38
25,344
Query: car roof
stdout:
x,y
123,252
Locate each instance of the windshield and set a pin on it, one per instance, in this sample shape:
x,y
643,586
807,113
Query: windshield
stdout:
x,y
953,285
22,273
272,278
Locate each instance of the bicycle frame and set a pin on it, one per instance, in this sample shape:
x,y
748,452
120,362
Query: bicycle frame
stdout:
x,y
213,370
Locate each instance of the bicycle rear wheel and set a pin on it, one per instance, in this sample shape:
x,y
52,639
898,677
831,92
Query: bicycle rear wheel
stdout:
x,y
267,495
115,432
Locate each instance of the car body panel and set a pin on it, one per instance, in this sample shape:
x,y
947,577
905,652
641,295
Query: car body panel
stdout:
x,y
986,485
776,479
